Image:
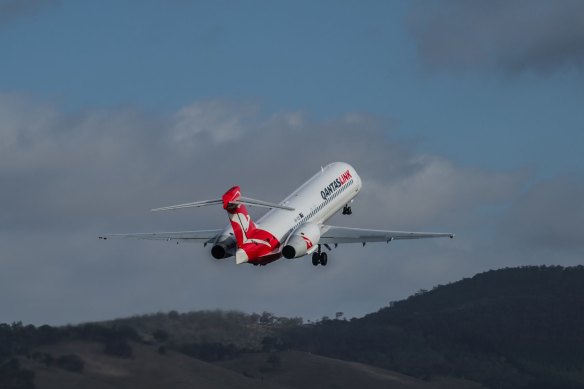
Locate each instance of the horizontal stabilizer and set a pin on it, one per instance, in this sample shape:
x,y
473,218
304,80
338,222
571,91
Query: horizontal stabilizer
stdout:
x,y
241,200
189,205
259,203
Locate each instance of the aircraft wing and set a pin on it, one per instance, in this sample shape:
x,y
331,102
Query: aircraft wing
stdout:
x,y
335,235
202,236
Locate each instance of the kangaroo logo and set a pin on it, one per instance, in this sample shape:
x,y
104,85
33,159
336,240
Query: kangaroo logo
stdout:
x,y
244,221
309,243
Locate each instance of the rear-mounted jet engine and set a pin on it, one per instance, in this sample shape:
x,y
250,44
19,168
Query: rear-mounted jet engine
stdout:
x,y
302,241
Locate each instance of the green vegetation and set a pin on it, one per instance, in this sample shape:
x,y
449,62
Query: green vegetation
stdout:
x,y
71,362
18,342
118,348
244,331
13,377
210,351
510,328
274,361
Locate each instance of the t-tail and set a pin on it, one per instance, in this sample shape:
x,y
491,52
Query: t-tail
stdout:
x,y
252,242
243,226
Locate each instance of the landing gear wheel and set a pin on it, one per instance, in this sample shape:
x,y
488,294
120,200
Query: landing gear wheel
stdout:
x,y
315,258
347,210
323,259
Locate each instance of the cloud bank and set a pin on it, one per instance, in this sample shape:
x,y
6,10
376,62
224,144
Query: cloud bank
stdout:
x,y
14,9
68,177
508,37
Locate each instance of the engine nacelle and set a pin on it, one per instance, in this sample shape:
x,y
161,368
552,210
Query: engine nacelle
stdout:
x,y
224,247
302,241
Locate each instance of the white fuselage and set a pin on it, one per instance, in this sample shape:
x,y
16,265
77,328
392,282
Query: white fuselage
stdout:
x,y
315,201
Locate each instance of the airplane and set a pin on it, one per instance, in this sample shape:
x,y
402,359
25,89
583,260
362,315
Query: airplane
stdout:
x,y
293,228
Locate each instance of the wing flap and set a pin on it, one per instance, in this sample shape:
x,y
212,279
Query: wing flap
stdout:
x,y
335,235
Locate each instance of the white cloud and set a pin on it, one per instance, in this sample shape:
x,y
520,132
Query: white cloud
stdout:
x,y
220,121
435,190
80,175
502,36
14,9
549,215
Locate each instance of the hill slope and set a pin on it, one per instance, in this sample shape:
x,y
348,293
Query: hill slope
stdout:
x,y
521,327
149,369
509,328
145,369
297,369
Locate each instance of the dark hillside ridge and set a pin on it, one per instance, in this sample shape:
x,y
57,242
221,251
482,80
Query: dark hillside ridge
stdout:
x,y
535,312
508,328
244,331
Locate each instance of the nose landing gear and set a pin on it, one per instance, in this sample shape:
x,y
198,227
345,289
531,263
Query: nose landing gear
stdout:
x,y
347,210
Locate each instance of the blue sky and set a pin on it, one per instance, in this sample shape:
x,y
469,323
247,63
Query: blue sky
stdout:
x,y
327,58
459,116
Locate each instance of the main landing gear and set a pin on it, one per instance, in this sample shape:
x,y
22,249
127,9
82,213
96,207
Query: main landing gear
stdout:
x,y
347,210
319,257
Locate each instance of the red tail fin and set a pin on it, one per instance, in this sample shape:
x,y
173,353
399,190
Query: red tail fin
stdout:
x,y
252,242
241,222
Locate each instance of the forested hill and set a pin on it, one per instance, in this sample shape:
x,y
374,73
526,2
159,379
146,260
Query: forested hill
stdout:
x,y
508,328
515,327
535,312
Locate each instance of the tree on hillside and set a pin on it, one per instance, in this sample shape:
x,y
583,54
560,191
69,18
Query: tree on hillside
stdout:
x,y
274,361
71,362
160,335
118,348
